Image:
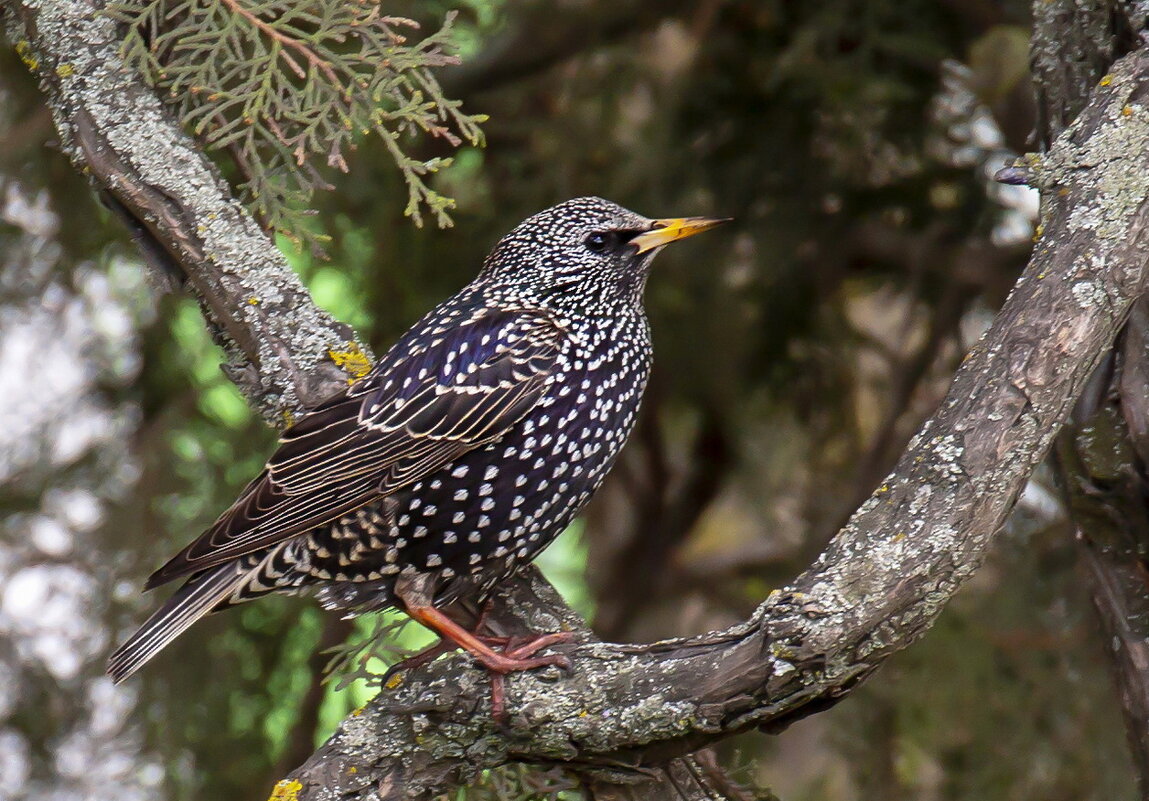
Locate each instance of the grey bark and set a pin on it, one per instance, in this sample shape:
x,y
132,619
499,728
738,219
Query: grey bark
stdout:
x,y
1103,455
624,711
193,232
112,125
881,582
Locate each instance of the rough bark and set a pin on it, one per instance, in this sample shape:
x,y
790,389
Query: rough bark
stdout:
x,y
625,710
1103,459
1103,456
279,345
881,582
283,352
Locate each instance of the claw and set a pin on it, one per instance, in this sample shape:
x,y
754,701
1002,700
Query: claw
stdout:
x,y
513,657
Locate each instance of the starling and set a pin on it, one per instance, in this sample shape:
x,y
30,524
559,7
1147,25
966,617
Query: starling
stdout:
x,y
467,449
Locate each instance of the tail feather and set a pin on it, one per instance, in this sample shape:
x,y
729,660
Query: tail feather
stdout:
x,y
200,595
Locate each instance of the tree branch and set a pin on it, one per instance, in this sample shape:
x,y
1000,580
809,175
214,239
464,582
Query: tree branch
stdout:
x,y
1103,456
881,582
625,710
115,128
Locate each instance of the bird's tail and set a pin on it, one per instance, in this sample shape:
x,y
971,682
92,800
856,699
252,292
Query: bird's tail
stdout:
x,y
201,594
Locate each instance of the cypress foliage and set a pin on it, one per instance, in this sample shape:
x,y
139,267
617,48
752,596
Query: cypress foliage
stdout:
x,y
287,88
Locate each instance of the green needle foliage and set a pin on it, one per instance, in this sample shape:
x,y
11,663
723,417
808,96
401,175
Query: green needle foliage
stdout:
x,y
287,87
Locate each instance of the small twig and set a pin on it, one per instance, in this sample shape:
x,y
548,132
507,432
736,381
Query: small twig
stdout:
x,y
286,41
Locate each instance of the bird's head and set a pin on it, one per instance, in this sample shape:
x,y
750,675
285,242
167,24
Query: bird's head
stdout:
x,y
587,253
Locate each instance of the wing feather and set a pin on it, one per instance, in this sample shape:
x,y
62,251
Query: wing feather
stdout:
x,y
419,409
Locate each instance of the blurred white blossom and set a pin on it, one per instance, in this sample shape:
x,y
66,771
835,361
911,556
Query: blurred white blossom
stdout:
x,y
66,337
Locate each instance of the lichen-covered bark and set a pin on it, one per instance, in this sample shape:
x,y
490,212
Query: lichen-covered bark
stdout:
x,y
114,127
624,711
1102,456
283,352
884,578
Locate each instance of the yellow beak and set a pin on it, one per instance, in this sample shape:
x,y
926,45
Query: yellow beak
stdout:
x,y
670,230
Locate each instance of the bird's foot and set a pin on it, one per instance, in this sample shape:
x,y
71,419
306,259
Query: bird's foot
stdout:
x,y
530,646
515,654
521,657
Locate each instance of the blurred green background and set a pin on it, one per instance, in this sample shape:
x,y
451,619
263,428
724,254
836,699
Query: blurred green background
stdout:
x,y
796,351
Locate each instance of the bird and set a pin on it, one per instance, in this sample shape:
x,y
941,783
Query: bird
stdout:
x,y
471,444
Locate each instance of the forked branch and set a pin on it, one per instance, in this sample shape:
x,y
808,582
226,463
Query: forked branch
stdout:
x,y
625,710
881,582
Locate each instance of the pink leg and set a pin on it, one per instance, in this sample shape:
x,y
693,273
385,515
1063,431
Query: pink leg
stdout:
x,y
511,660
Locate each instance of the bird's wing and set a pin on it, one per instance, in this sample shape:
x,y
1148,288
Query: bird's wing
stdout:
x,y
420,408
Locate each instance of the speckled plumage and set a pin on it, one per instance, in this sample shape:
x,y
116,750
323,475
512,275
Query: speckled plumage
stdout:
x,y
468,448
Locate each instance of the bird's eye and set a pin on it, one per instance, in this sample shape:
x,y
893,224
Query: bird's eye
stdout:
x,y
597,242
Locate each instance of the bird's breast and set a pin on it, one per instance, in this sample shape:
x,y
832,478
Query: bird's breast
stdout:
x,y
497,506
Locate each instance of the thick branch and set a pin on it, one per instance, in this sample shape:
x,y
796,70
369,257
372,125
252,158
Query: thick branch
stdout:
x,y
882,581
192,230
115,128
1103,455
880,584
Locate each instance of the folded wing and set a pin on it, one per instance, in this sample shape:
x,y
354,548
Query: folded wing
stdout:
x,y
433,397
